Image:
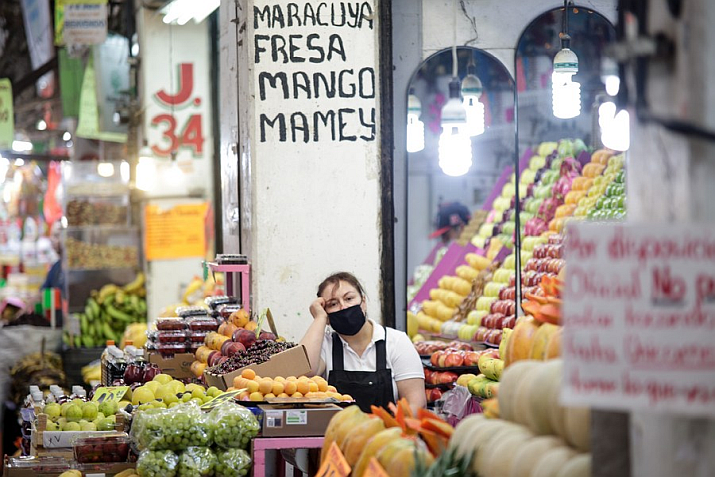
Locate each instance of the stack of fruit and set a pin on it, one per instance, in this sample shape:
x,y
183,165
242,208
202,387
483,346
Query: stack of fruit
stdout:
x,y
163,391
256,388
400,441
108,313
78,415
535,435
612,205
187,441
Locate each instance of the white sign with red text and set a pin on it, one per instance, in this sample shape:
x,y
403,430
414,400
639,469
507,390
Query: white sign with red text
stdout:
x,y
639,318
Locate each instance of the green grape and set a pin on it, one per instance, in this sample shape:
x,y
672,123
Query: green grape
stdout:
x,y
197,462
157,463
233,463
187,427
233,426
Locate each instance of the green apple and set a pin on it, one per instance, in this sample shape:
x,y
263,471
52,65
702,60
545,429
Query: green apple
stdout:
x,y
108,408
53,410
74,413
163,378
88,426
52,426
72,426
89,410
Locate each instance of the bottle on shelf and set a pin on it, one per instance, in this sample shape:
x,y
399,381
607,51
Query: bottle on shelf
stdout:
x,y
113,363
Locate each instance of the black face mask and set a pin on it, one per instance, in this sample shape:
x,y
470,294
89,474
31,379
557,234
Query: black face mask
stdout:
x,y
347,321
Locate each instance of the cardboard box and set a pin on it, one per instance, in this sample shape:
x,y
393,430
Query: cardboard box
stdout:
x,y
37,470
178,366
291,362
290,421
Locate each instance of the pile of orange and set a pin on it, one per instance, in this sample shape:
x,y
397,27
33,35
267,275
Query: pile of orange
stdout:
x,y
260,389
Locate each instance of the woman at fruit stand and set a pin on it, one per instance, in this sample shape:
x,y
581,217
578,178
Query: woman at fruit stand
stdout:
x,y
375,365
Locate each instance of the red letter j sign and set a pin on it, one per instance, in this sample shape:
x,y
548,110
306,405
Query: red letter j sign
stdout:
x,y
186,87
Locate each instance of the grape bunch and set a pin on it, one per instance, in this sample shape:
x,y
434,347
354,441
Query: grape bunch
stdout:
x,y
187,427
233,463
260,352
233,426
157,463
197,462
149,430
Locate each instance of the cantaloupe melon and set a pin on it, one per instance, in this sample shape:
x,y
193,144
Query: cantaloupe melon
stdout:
x,y
553,347
357,438
520,341
508,386
480,435
351,415
556,411
374,444
388,454
541,340
577,466
403,461
526,457
526,391
546,377
578,427
463,427
552,461
485,441
498,458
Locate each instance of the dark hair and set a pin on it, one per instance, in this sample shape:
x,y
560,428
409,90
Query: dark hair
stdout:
x,y
336,278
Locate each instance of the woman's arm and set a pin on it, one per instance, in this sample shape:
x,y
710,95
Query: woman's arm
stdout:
x,y
414,391
313,339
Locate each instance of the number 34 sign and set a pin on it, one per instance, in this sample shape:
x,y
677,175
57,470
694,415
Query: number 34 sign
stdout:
x,y
178,130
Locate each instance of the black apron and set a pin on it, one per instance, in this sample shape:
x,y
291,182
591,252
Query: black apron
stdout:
x,y
366,387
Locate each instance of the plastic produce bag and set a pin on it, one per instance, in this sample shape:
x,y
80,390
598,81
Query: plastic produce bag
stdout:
x,y
233,426
233,463
172,429
197,462
157,463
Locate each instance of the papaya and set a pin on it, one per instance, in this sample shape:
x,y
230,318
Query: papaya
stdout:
x,y
373,445
403,460
394,460
350,416
541,340
357,438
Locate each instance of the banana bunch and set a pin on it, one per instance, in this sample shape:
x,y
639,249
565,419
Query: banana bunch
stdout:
x,y
92,372
108,312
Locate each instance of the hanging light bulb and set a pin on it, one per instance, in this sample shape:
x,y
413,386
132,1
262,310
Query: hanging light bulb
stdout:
x,y
471,92
415,127
615,127
609,76
455,145
566,93
146,169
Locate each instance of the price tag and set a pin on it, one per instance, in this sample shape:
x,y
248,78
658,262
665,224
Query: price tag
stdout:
x,y
221,398
334,464
374,469
110,393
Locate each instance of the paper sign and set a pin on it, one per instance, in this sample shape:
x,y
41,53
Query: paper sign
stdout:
x,y
334,464
7,118
110,393
639,318
177,232
374,469
85,24
221,398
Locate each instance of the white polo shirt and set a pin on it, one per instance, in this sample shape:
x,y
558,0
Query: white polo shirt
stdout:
x,y
402,357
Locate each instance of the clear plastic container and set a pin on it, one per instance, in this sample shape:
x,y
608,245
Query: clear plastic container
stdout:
x,y
193,347
214,302
170,324
197,336
100,449
226,310
170,349
186,311
173,336
203,323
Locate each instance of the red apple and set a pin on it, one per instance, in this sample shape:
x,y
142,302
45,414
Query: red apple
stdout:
x,y
245,337
447,377
481,334
229,348
434,359
434,394
442,361
494,337
267,335
214,358
471,358
454,359
509,322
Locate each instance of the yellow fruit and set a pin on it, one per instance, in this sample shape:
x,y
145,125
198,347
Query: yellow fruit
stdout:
x,y
252,386
256,396
296,395
303,387
283,395
277,388
240,382
265,386
291,378
163,378
269,395
332,389
313,387
248,373
142,394
153,385
290,387
279,379
346,397
322,385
